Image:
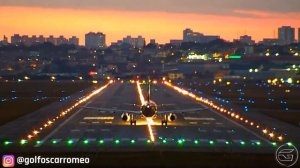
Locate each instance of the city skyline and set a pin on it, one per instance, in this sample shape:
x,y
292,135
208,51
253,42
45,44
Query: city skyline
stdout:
x,y
162,21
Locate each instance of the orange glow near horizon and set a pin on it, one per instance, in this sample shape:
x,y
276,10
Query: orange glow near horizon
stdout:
x,y
117,24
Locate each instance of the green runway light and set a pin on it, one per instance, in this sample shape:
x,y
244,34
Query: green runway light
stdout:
x,y
211,142
258,143
242,143
289,144
274,143
164,141
38,142
196,142
22,142
148,141
132,141
180,141
101,141
54,142
117,141
226,142
7,143
70,142
86,141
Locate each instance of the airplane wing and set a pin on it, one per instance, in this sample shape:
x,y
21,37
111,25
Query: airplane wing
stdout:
x,y
111,110
181,111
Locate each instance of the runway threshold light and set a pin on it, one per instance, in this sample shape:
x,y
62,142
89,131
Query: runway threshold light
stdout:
x,y
7,143
70,142
101,141
86,141
117,141
180,141
132,141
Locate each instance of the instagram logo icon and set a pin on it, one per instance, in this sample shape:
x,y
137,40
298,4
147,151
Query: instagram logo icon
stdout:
x,y
8,160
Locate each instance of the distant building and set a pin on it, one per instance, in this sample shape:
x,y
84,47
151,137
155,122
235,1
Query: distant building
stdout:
x,y
34,40
299,35
4,41
95,40
74,41
16,39
61,40
269,42
41,39
52,39
138,42
246,40
153,42
190,36
175,42
286,35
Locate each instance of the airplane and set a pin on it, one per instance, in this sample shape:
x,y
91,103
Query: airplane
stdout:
x,y
149,110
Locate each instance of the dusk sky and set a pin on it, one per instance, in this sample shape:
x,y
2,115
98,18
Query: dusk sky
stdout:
x,y
159,19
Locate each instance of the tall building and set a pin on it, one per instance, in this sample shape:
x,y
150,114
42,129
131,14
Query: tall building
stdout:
x,y
95,40
286,35
190,36
74,41
299,35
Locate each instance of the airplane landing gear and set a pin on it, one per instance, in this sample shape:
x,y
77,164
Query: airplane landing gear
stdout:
x,y
164,121
132,120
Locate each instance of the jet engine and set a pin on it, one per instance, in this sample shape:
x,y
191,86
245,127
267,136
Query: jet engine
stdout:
x,y
125,117
172,117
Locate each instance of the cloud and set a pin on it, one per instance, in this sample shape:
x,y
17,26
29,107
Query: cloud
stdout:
x,y
214,7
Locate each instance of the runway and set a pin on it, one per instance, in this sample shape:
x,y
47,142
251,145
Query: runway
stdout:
x,y
96,130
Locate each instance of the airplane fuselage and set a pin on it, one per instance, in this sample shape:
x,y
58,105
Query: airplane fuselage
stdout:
x,y
149,109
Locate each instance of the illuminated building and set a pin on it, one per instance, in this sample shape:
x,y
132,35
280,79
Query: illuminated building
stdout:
x,y
95,40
